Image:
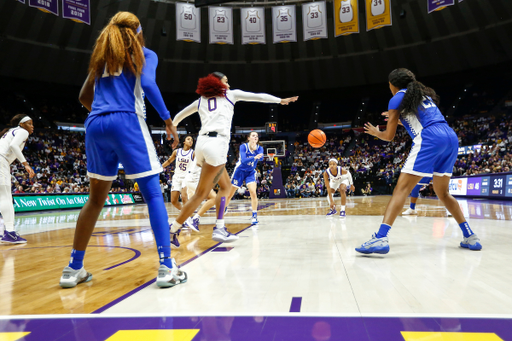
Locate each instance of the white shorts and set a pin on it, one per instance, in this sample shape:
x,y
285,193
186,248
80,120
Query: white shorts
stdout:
x,y
212,150
336,184
5,173
178,182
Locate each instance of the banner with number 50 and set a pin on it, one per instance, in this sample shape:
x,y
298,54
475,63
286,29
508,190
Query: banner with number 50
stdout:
x,y
188,22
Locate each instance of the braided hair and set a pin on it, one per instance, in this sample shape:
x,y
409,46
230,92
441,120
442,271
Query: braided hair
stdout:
x,y
405,79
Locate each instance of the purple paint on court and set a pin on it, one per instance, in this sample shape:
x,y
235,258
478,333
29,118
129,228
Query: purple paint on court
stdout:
x,y
247,328
223,249
295,306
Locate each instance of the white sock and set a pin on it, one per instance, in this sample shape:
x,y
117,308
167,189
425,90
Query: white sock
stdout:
x,y
175,226
255,212
342,208
196,216
219,223
7,208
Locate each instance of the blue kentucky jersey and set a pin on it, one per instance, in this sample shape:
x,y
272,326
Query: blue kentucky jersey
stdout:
x,y
246,161
125,92
428,114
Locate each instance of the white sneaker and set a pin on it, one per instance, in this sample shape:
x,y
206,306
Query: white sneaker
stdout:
x,y
170,277
409,211
223,235
71,277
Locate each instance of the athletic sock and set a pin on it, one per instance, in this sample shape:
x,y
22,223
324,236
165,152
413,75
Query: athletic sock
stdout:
x,y
196,216
413,205
150,189
164,252
176,226
254,213
466,230
77,259
342,208
219,223
383,230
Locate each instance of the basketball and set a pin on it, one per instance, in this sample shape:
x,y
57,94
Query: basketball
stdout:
x,y
316,138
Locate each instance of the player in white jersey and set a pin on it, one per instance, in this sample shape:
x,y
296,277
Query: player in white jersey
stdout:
x,y
12,142
337,178
216,109
183,157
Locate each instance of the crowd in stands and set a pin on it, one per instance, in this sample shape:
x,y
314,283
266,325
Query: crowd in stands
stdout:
x,y
58,158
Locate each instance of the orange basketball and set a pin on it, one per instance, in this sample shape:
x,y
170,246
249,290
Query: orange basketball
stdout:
x,y
316,138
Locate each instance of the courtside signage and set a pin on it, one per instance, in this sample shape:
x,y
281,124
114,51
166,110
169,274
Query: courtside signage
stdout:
x,y
56,202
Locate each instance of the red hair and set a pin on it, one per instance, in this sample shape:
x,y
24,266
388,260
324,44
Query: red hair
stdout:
x,y
211,86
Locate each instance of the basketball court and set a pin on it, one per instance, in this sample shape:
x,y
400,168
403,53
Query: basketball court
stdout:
x,y
295,277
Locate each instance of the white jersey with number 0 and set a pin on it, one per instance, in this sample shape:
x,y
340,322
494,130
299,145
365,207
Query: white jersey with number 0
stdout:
x,y
216,113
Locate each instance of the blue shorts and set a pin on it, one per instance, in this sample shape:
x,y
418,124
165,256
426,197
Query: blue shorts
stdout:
x,y
434,152
239,176
119,137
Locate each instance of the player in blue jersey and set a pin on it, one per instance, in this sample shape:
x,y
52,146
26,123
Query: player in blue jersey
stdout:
x,y
245,170
434,152
121,72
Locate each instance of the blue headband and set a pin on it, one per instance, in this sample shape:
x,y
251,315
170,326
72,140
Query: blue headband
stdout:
x,y
139,29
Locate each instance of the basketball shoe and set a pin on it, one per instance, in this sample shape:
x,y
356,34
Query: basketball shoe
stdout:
x,y
12,238
331,213
375,245
223,235
174,237
472,242
170,277
71,277
195,224
254,219
409,211
342,214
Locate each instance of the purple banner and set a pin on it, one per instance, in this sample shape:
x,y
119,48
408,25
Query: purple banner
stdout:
x,y
48,6
437,5
474,185
77,10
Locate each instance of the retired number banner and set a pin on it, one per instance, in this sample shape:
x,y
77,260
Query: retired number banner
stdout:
x,y
48,6
314,19
437,5
188,22
221,25
346,17
77,10
283,24
253,25
378,14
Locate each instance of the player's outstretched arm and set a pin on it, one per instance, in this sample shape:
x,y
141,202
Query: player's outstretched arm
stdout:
x,y
389,133
186,112
170,160
286,101
328,188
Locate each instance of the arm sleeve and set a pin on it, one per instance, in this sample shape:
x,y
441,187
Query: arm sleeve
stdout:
x,y
394,103
186,112
19,137
240,95
148,83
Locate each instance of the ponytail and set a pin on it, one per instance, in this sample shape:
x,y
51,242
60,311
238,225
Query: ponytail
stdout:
x,y
403,78
119,46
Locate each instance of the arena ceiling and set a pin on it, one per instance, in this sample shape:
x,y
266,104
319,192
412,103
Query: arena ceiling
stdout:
x,y
40,46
